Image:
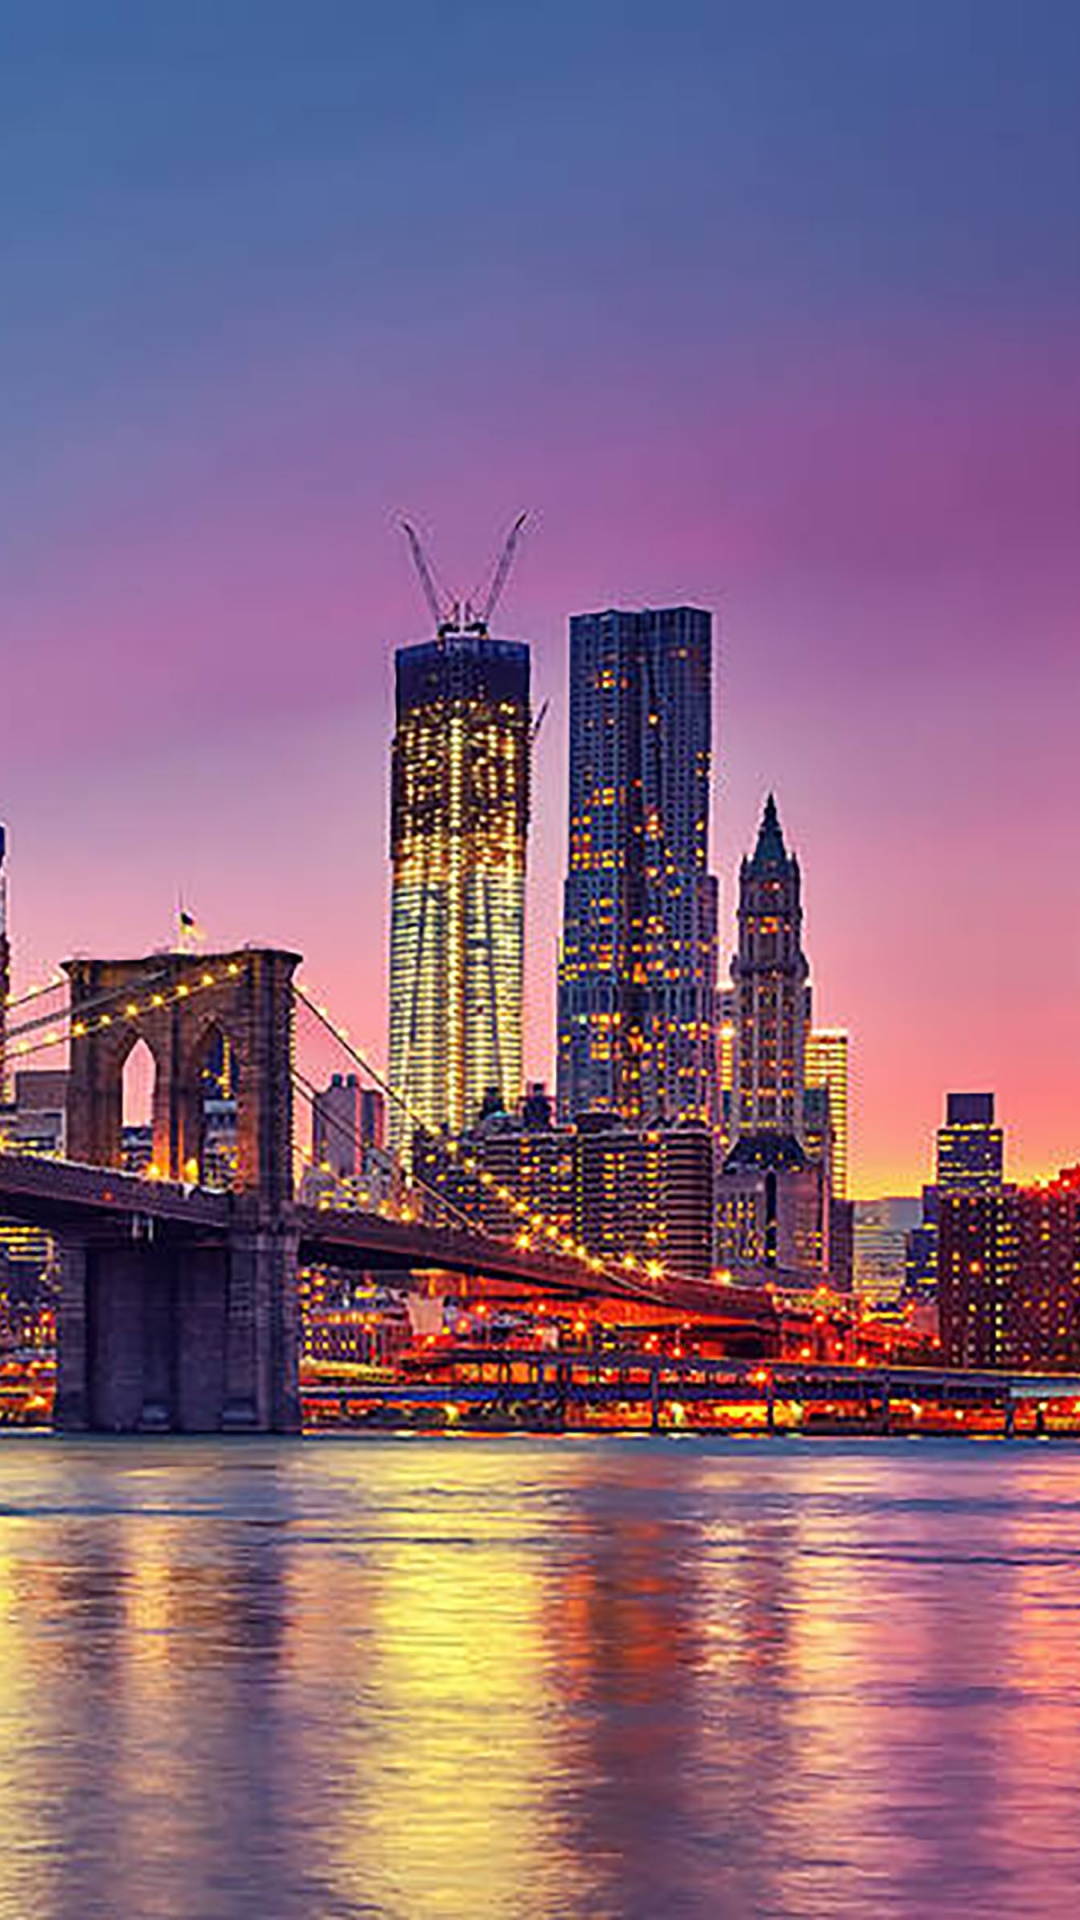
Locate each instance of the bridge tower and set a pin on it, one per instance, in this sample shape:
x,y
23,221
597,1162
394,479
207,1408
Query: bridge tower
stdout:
x,y
184,1332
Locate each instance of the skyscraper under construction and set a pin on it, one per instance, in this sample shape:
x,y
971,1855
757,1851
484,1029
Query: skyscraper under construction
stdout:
x,y
459,818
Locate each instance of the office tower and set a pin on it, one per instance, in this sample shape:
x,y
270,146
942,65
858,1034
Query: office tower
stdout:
x,y
5,959
459,817
637,975
772,1207
647,1192
1009,1275
970,1148
826,1067
881,1232
726,1013
372,1117
772,997
617,1189
335,1126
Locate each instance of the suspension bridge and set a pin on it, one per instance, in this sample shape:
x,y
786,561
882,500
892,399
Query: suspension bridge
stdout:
x,y
178,1291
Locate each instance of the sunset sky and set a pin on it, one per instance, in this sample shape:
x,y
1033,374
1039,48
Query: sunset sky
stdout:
x,y
774,309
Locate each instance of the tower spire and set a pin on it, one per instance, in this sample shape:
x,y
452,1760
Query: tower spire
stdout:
x,y
770,847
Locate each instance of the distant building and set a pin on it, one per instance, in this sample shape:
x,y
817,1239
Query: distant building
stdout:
x,y
881,1231
970,1147
773,1209
970,1159
346,1118
727,1030
33,1122
637,972
1009,1275
826,1070
459,819
646,1192
770,975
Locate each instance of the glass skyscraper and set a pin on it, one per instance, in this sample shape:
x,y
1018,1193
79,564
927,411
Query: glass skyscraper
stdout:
x,y
459,818
637,973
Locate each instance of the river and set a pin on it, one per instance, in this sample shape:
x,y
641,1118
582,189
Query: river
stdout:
x,y
605,1679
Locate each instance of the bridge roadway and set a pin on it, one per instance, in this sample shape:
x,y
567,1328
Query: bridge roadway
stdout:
x,y
103,1204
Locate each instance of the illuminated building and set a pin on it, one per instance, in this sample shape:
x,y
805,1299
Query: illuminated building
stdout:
x,y
502,1159
34,1122
615,1189
970,1148
772,1208
459,817
637,972
727,1010
1009,1275
882,1227
772,999
826,1069
5,960
647,1192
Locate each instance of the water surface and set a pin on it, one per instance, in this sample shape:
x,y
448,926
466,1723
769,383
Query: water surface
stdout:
x,y
475,1678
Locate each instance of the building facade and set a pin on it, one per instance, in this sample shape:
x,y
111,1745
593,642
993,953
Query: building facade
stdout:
x,y
618,1190
970,1147
346,1119
773,1209
637,972
459,822
1009,1275
826,1069
770,976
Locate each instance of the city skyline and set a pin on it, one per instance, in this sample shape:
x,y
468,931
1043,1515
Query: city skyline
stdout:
x,y
810,368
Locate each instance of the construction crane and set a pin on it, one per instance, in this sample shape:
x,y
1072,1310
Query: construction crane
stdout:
x,y
480,620
450,614
538,721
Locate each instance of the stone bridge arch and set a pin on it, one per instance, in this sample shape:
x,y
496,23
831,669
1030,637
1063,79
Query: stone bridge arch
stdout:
x,y
183,1329
174,1001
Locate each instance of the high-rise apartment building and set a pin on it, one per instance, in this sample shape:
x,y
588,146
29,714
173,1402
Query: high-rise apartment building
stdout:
x,y
771,993
1009,1275
459,818
637,974
970,1148
826,1068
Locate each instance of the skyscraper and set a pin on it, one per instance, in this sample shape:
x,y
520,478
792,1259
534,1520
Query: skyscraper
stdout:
x,y
459,817
770,975
637,974
826,1066
970,1148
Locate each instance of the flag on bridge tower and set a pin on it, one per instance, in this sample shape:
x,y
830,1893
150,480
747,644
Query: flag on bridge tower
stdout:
x,y
191,935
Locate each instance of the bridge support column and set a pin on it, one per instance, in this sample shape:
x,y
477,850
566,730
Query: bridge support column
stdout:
x,y
654,1397
71,1413
261,1333
158,1303
1010,1417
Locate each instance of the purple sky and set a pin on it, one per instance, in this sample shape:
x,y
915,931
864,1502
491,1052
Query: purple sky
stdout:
x,y
776,314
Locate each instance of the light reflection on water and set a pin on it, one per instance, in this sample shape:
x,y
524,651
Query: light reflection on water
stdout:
x,y
485,1678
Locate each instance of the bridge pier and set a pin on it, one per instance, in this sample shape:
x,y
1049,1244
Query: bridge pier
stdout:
x,y
70,1411
261,1389
183,1336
